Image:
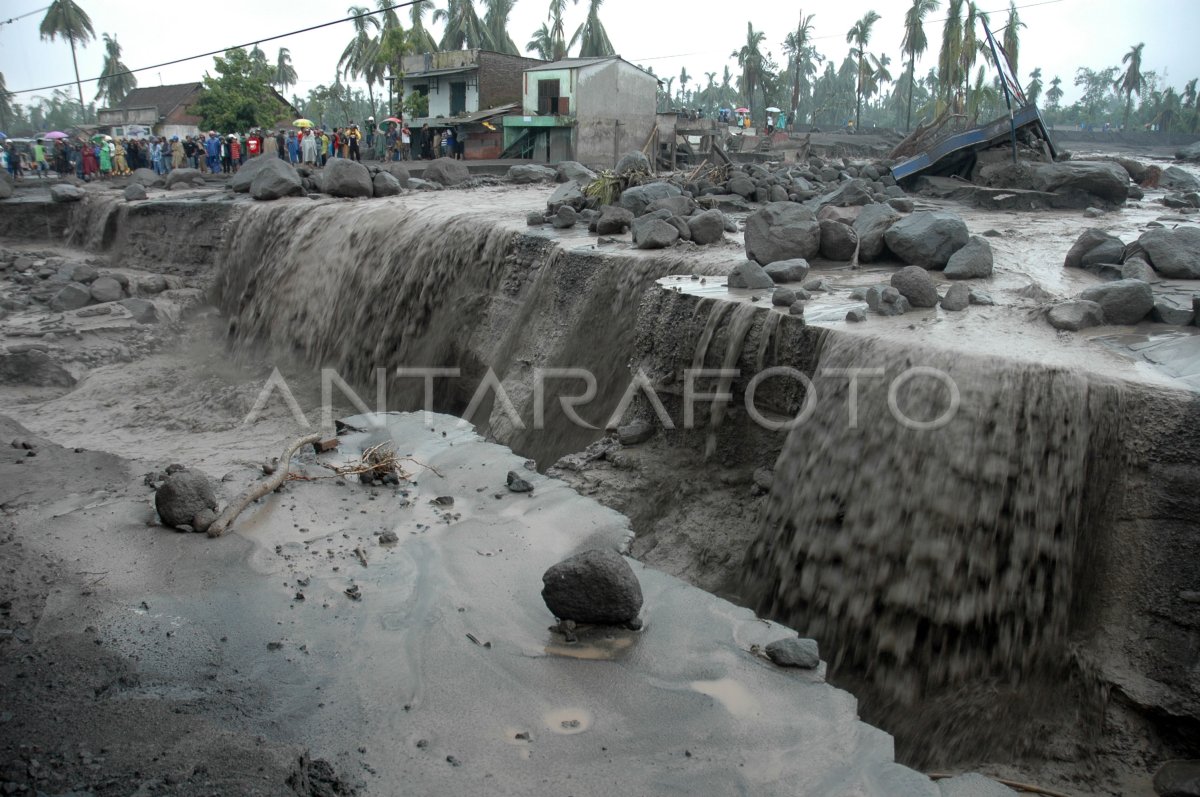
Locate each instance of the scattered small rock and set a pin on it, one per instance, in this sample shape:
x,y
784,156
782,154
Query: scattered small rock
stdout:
x,y
794,652
516,484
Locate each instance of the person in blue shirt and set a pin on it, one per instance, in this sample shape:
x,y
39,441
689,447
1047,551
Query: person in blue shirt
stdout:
x,y
212,149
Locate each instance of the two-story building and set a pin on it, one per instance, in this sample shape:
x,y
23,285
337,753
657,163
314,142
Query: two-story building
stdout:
x,y
592,110
465,89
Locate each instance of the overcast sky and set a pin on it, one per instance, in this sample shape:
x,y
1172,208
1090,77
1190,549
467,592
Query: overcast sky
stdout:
x,y
699,35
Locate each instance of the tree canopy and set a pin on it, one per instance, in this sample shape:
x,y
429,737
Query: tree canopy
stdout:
x,y
239,97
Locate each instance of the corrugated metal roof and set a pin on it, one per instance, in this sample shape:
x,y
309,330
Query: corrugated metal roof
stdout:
x,y
579,63
440,72
468,118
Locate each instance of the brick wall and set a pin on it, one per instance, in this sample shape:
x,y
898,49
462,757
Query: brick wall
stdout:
x,y
501,78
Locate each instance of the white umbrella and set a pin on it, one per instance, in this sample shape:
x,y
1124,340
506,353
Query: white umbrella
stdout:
x,y
772,110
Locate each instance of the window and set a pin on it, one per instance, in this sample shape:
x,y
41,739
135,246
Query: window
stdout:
x,y
548,93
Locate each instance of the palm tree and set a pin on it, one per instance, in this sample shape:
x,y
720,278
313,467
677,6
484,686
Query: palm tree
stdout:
x,y
1133,81
970,46
390,18
115,78
948,57
797,48
1189,102
859,35
670,81
558,33
750,59
361,54
64,18
684,77
915,43
495,22
7,112
591,35
542,43
1033,91
1055,94
464,29
1012,35
419,36
285,73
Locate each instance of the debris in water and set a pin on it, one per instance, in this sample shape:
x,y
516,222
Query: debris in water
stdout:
x,y
518,485
353,592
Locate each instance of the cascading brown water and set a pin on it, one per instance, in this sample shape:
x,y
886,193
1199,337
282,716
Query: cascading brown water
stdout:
x,y
931,560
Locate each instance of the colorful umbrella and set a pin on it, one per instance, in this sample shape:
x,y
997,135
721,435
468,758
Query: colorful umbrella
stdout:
x,y
3,136
302,123
394,120
55,134
772,109
741,110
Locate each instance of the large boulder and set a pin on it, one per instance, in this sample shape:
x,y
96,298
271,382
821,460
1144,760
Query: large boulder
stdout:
x,y
346,178
1180,778
639,198
631,163
65,192
596,586
574,171
384,184
677,205
241,180
838,241
107,289
1075,315
613,220
782,231
851,192
707,227
135,192
741,185
275,180
1094,247
1173,253
957,298
915,284
1106,181
566,194
973,261
183,177
749,274
33,367
794,270
1189,153
928,238
870,226
141,310
654,233
71,296
148,178
1123,301
186,498
1175,179
397,170
526,173
447,171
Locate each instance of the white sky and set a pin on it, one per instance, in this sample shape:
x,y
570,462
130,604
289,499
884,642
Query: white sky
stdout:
x,y
1061,35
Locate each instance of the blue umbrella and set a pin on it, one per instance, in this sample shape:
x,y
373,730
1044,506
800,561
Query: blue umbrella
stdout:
x,y
3,136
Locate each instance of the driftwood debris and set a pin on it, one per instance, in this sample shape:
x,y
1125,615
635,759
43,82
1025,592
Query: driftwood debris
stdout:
x,y
225,520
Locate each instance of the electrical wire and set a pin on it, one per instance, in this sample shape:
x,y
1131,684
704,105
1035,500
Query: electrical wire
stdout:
x,y
254,43
11,20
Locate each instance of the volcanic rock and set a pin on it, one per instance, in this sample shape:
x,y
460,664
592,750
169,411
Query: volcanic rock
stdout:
x,y
957,298
524,174
447,172
870,226
638,199
33,367
65,192
1123,301
1075,315
632,162
782,231
707,227
613,220
794,270
927,238
275,179
106,289
346,178
596,586
71,296
794,652
973,261
184,177
915,284
838,241
384,184
185,496
1173,253
135,192
749,274
241,180
654,234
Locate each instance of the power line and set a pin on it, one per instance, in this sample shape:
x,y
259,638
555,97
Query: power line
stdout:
x,y
11,20
254,43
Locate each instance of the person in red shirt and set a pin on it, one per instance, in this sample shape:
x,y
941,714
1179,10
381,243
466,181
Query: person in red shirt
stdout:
x,y
235,152
253,144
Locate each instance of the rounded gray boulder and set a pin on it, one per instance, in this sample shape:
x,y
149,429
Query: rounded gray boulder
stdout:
x,y
973,261
596,586
927,238
347,178
107,289
1123,301
915,284
447,171
186,498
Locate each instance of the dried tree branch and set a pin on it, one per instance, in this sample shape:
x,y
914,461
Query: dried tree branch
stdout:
x,y
267,485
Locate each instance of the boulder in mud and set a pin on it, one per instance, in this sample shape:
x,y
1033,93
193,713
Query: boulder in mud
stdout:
x,y
742,186
1175,179
915,284
677,205
652,233
782,231
183,178
596,587
849,193
1123,301
141,310
186,498
65,192
71,296
1173,253
148,178
1075,315
794,270
397,170
632,163
33,367
447,172
613,220
573,171
135,192
794,652
1094,246
566,194
346,178
870,226
957,298
1189,153
707,227
838,241
1179,778
1107,182
241,180
1175,310
639,198
927,239
564,218
1136,268
749,274
973,261
384,184
107,289
275,180
526,173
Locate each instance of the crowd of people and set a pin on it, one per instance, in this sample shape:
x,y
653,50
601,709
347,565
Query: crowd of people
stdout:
x,y
104,156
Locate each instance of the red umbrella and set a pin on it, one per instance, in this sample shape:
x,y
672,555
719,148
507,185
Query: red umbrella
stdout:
x,y
56,134
393,120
